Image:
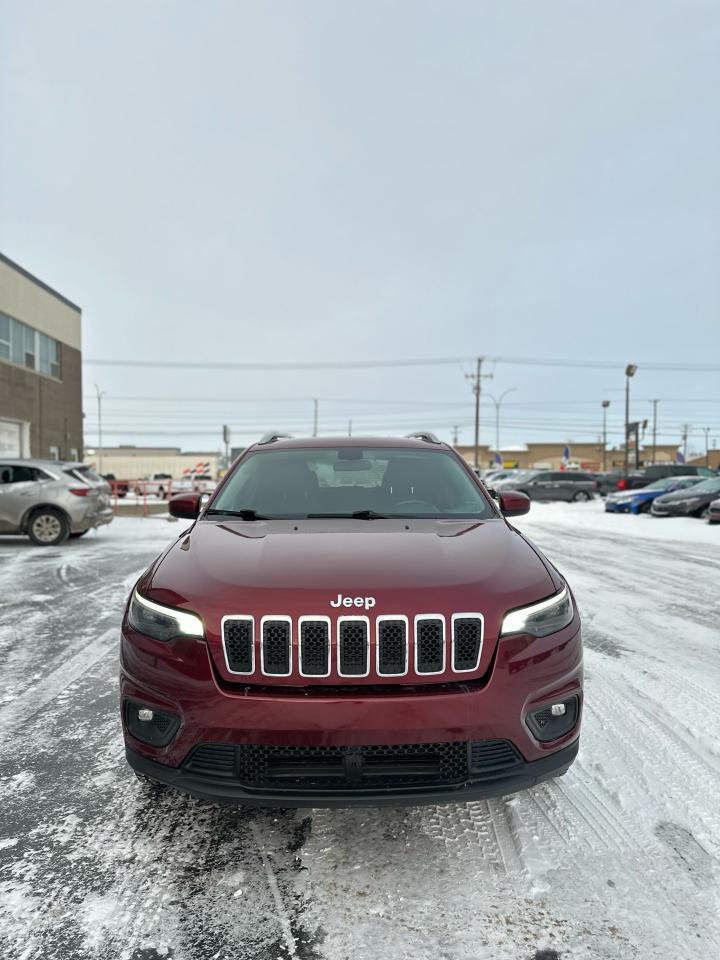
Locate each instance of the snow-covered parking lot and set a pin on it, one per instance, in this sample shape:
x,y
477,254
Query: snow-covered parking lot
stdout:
x,y
618,859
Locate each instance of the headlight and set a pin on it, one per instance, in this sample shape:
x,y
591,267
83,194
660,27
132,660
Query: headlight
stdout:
x,y
540,619
162,623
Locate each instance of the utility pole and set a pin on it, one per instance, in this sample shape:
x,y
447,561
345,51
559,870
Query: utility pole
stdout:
x,y
706,431
226,441
477,379
630,371
455,436
605,405
315,417
686,427
654,432
349,428
100,395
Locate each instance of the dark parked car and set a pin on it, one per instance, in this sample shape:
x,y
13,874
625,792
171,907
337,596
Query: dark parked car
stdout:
x,y
693,502
641,478
608,482
641,501
556,485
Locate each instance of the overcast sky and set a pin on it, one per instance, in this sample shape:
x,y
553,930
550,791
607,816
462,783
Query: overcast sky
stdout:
x,y
298,181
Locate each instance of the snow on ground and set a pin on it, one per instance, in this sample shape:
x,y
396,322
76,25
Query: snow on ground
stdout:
x,y
619,859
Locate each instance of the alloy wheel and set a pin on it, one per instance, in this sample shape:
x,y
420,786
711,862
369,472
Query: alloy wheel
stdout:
x,y
47,528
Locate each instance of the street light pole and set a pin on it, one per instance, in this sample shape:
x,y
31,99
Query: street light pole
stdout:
x,y
497,415
654,432
100,395
605,405
630,371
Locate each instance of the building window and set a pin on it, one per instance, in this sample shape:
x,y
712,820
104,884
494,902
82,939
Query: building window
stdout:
x,y
30,348
4,337
23,345
54,453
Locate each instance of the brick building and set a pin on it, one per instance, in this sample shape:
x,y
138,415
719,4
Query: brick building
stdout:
x,y
40,368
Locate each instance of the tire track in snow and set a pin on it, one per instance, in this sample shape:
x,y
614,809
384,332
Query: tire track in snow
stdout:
x,y
37,697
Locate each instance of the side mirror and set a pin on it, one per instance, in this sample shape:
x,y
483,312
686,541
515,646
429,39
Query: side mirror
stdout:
x,y
186,506
514,504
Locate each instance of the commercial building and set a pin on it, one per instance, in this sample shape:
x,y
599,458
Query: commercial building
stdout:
x,y
40,368
586,456
134,463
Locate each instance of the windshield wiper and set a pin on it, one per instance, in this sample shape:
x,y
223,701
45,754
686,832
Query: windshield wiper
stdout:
x,y
243,514
356,515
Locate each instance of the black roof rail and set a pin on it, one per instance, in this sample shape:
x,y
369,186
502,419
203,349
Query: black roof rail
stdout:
x,y
272,437
423,435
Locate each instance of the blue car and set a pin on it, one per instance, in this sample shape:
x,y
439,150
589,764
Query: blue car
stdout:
x,y
640,501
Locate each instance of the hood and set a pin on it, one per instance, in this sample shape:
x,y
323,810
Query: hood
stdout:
x,y
301,568
689,493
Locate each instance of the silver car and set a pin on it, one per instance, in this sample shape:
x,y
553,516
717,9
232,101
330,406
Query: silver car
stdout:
x,y
50,500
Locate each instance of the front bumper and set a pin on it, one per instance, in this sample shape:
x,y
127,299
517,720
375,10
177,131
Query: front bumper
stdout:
x,y
675,510
521,777
179,678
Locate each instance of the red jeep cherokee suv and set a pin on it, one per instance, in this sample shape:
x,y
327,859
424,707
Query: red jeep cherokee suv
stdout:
x,y
350,621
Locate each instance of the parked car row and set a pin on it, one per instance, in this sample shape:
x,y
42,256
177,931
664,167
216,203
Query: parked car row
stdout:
x,y
662,490
161,485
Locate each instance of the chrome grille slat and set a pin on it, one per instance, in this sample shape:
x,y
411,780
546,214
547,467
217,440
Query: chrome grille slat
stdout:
x,y
314,646
467,640
391,637
429,644
353,644
276,646
239,644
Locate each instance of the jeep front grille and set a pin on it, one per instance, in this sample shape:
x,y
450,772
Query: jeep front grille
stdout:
x,y
430,645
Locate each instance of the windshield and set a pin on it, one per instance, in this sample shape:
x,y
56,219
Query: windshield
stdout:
x,y
707,486
667,482
341,481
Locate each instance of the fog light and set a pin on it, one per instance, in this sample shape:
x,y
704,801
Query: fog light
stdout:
x,y
557,710
155,727
554,721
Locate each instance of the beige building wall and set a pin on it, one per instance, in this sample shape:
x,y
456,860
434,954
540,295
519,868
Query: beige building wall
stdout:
x,y
135,463
28,299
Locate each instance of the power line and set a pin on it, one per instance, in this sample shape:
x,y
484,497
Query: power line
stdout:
x,y
420,362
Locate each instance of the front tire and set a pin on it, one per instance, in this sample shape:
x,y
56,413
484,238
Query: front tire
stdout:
x,y
48,528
